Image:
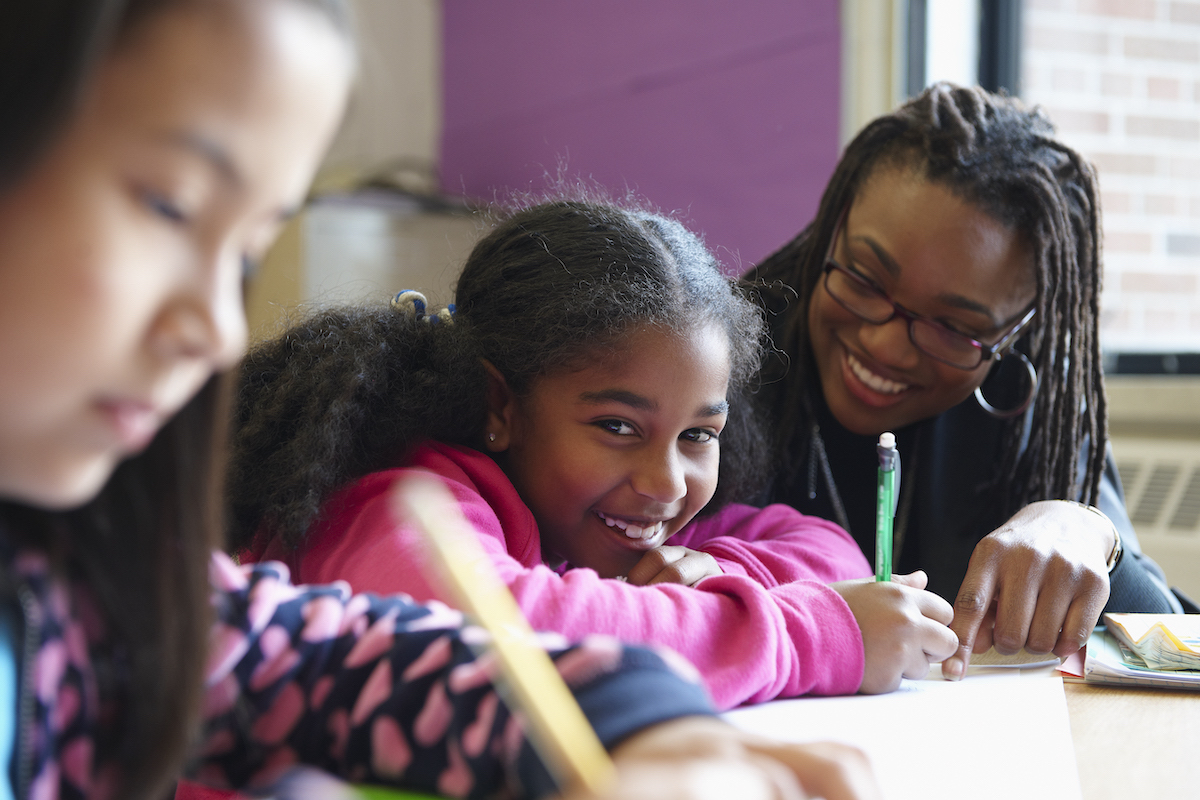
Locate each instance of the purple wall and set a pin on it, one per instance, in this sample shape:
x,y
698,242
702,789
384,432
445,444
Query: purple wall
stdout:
x,y
725,111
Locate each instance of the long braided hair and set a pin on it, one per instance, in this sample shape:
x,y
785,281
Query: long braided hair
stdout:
x,y
994,152
348,391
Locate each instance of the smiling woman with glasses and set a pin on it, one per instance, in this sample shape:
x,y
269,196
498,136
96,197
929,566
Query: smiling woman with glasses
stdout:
x,y
954,261
859,295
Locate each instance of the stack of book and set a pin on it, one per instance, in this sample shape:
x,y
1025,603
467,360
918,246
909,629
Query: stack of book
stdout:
x,y
1145,650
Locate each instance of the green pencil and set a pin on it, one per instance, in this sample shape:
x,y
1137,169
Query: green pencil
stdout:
x,y
885,504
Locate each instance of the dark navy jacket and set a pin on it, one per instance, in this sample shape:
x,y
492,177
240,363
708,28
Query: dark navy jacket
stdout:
x,y
950,461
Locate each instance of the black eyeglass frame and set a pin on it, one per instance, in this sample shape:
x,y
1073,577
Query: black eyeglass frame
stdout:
x,y
986,352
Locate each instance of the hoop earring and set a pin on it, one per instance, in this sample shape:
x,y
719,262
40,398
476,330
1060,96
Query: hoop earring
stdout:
x,y
1012,412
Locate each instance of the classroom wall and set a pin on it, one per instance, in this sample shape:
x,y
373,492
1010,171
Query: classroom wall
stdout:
x,y
394,114
724,110
346,251
1122,82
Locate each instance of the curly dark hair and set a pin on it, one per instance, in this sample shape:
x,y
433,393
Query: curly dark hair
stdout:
x,y
992,151
348,391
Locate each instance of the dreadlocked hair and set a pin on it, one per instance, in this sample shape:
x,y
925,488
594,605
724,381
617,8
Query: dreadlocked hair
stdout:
x,y
994,152
556,286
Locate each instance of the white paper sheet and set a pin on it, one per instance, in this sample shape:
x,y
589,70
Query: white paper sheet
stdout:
x,y
997,734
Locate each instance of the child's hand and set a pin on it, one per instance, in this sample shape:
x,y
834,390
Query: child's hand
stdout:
x,y
673,564
698,758
904,628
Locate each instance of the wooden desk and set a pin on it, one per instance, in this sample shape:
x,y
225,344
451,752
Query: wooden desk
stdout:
x,y
1134,743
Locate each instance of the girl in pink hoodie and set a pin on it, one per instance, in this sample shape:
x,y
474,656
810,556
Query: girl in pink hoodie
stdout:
x,y
580,403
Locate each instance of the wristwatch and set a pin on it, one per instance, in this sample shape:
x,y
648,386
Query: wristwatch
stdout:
x,y
1118,550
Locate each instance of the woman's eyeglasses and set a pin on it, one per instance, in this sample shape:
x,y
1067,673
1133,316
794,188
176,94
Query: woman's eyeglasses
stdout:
x,y
867,301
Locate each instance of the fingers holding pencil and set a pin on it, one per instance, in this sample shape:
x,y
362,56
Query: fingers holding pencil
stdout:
x,y
904,628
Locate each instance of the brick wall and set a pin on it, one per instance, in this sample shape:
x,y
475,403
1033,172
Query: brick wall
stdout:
x,y
1121,80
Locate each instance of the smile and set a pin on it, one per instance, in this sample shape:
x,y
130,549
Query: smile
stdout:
x,y
875,382
633,531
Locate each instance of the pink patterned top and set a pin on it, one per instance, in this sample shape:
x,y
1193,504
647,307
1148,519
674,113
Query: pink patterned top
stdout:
x,y
372,689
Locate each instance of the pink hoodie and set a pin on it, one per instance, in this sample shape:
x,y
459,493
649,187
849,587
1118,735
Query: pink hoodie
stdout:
x,y
769,627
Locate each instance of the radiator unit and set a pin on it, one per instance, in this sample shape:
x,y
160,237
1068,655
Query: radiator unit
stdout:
x,y
1155,425
1162,490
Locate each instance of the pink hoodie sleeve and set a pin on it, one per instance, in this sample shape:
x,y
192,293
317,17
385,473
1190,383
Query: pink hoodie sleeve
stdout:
x,y
776,545
751,641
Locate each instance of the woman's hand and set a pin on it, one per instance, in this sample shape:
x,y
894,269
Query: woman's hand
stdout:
x,y
1039,581
697,758
673,564
903,628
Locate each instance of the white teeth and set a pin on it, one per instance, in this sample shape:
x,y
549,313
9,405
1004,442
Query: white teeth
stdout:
x,y
876,382
630,530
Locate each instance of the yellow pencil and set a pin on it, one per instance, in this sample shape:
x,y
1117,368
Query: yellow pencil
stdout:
x,y
557,727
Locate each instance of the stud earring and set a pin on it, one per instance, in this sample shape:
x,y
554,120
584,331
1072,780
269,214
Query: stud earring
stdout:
x,y
491,437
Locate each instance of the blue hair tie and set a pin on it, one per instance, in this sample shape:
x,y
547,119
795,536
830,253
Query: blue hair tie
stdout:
x,y
413,303
410,302
445,315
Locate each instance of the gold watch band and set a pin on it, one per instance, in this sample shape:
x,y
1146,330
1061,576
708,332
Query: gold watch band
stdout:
x,y
1114,557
